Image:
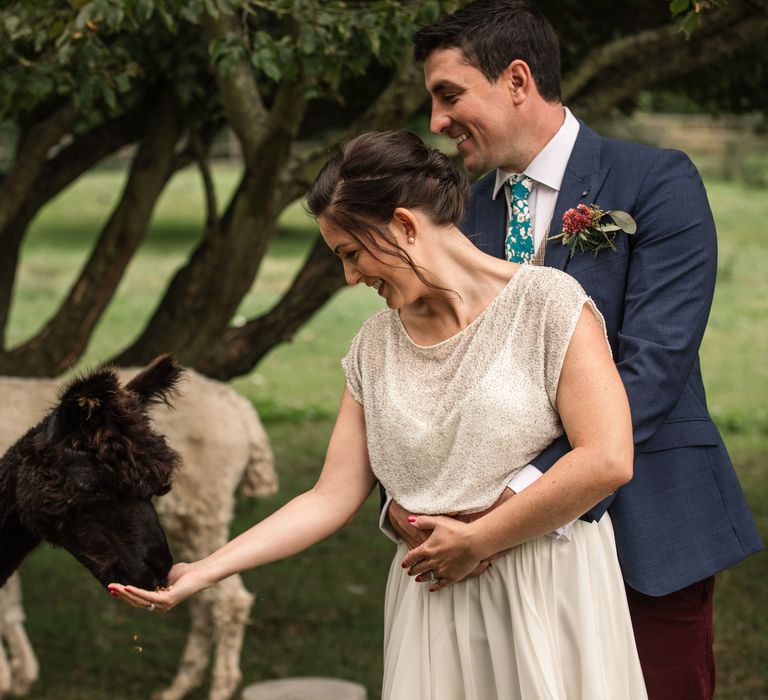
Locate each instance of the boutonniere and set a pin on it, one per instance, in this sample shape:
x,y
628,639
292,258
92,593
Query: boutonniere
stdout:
x,y
585,228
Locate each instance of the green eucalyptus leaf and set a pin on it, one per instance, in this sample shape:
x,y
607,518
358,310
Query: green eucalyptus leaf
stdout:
x,y
623,220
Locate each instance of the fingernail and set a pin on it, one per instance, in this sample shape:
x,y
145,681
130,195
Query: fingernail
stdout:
x,y
411,518
113,593
403,565
432,590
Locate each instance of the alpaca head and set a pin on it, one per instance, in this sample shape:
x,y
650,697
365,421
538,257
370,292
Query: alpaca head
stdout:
x,y
85,476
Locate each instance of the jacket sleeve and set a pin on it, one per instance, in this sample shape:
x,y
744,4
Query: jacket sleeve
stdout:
x,y
667,299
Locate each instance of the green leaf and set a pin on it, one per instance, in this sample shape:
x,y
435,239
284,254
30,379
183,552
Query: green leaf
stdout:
x,y
623,220
677,7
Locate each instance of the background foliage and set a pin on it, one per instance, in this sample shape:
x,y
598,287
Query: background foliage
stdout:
x,y
160,82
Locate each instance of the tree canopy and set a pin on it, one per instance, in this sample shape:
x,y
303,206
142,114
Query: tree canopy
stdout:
x,y
83,79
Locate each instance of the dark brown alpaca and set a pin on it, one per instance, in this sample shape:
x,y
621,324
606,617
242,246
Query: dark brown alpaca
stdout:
x,y
84,477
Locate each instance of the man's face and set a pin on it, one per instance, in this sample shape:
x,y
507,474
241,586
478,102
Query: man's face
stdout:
x,y
477,114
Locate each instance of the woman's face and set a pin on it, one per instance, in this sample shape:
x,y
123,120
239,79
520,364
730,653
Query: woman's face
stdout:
x,y
385,272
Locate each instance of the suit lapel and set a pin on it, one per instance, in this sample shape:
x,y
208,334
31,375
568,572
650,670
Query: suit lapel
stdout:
x,y
583,179
490,218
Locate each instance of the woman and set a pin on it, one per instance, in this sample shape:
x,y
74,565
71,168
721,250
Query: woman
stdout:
x,y
475,366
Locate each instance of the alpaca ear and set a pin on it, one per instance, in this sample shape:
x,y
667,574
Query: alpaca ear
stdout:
x,y
157,381
82,400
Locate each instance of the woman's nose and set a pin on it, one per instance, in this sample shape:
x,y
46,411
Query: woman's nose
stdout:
x,y
351,274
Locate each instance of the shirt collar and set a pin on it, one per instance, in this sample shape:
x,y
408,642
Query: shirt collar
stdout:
x,y
548,167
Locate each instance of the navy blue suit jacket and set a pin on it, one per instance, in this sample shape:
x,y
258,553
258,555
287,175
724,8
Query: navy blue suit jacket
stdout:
x,y
683,516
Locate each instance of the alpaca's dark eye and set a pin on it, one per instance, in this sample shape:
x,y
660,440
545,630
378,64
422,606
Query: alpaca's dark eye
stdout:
x,y
87,487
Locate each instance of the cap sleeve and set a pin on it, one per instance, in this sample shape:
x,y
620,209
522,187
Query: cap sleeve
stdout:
x,y
565,301
352,365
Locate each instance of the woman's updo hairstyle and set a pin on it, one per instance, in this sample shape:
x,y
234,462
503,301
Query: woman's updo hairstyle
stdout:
x,y
363,183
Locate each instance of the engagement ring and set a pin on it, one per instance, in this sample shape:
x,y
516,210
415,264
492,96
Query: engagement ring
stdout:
x,y
433,578
150,607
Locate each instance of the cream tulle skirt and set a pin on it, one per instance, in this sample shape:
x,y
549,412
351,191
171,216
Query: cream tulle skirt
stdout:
x,y
548,621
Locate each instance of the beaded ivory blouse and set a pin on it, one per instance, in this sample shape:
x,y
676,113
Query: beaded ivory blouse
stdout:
x,y
449,424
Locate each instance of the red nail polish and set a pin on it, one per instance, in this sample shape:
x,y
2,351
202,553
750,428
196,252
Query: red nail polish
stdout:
x,y
411,518
113,593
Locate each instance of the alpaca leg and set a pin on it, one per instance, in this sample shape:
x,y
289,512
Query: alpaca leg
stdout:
x,y
230,616
23,664
5,667
23,660
197,650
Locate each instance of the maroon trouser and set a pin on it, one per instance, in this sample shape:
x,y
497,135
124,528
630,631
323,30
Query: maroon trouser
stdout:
x,y
674,641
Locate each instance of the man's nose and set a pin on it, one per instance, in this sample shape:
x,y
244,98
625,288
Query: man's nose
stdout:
x,y
439,121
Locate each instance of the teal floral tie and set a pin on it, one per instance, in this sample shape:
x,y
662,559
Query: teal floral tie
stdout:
x,y
518,246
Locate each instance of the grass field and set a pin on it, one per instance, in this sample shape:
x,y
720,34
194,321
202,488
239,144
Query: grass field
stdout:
x,y
319,613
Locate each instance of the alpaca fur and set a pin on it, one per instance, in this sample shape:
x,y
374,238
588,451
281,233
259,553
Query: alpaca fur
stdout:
x,y
222,445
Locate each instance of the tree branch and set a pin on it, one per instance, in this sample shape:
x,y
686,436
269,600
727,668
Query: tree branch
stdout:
x,y
58,173
64,338
31,154
238,90
655,55
240,349
395,105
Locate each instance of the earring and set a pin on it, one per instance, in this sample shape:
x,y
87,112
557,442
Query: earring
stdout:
x,y
411,239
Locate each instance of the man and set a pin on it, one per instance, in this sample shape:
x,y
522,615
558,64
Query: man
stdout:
x,y
493,71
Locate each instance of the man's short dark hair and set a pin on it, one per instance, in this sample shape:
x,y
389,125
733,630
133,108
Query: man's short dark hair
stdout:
x,y
492,34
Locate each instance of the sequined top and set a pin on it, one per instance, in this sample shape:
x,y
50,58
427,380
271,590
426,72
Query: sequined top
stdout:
x,y
448,424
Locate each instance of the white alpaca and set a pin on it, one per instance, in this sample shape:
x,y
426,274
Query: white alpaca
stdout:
x,y
222,445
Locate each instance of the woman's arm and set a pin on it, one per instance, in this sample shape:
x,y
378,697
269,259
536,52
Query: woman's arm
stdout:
x,y
595,414
344,484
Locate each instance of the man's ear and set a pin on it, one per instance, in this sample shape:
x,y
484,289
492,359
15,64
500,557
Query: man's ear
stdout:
x,y
518,80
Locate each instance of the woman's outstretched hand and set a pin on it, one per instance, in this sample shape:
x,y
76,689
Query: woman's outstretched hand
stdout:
x,y
184,580
448,553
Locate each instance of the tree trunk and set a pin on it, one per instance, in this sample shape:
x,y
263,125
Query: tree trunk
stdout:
x,y
64,338
32,151
240,349
58,173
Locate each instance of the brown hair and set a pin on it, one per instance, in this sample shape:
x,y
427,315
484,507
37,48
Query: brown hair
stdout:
x,y
359,188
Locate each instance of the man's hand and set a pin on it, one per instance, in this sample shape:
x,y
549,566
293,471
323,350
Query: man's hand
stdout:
x,y
398,518
415,537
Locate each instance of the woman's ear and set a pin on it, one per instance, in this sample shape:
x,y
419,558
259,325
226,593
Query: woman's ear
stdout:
x,y
405,224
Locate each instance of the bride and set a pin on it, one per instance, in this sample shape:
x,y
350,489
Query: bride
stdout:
x,y
473,368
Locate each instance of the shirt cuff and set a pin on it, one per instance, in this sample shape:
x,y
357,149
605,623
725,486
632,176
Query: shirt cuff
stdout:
x,y
522,479
384,525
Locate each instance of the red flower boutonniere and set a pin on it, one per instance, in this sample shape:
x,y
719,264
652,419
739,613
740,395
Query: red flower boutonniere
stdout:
x,y
584,228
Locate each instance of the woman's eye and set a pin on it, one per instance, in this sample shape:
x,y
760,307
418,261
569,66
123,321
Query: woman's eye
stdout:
x,y
352,255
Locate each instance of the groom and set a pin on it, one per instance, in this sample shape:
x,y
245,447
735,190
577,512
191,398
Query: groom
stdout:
x,y
493,71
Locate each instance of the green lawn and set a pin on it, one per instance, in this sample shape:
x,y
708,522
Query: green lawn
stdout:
x,y
319,613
